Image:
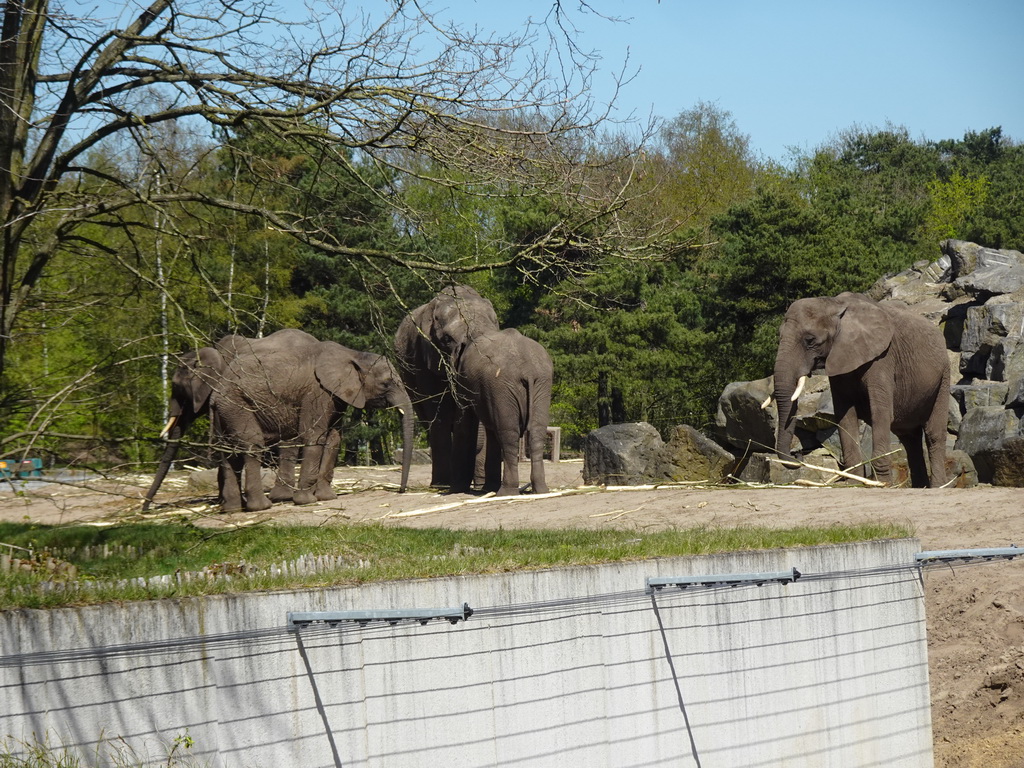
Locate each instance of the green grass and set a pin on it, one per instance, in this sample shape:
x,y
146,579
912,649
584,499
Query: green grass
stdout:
x,y
369,553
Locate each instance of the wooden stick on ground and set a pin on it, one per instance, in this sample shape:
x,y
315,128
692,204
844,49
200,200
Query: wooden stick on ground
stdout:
x,y
839,472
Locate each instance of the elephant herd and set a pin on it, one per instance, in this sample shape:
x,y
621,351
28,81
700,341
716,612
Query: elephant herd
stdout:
x,y
478,389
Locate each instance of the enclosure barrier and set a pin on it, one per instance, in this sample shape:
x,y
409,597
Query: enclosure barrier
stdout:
x,y
579,666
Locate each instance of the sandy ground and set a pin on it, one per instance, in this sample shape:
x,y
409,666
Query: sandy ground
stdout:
x,y
975,614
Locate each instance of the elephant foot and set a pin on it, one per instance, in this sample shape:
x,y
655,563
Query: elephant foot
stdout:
x,y
508,491
227,509
280,493
324,492
303,497
540,488
257,504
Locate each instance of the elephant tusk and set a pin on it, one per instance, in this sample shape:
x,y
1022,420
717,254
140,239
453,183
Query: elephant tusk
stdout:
x,y
167,429
799,388
767,402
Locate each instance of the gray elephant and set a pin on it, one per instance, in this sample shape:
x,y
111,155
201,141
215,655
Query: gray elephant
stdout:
x,y
886,365
507,378
192,384
427,342
296,388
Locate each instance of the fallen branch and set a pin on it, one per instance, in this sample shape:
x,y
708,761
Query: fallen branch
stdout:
x,y
440,507
838,472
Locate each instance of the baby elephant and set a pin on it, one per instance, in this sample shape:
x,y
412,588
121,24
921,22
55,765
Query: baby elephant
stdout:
x,y
506,378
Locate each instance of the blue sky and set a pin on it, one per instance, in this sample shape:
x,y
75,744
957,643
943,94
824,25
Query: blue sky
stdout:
x,y
794,73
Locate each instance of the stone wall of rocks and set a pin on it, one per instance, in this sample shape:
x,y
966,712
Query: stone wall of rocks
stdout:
x,y
974,294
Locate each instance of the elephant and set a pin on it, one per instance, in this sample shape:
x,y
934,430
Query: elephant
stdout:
x,y
192,384
295,388
427,341
886,365
507,378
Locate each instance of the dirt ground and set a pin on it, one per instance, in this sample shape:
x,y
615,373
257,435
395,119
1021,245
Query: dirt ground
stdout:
x,y
975,614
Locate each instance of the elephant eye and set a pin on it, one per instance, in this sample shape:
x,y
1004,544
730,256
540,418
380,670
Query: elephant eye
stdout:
x,y
810,341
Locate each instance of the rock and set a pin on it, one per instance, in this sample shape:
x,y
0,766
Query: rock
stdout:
x,y
913,285
623,454
967,258
953,322
1008,462
741,425
979,394
960,471
1006,360
696,457
634,454
419,456
990,282
983,432
1015,393
985,326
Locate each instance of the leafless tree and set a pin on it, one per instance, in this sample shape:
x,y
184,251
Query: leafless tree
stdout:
x,y
394,88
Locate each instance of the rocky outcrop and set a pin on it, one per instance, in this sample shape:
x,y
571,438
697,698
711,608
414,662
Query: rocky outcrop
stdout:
x,y
976,296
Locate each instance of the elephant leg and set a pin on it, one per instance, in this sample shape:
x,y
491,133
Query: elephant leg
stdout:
x,y
480,458
440,438
881,441
912,443
322,490
285,483
309,470
462,455
849,434
492,463
508,442
228,483
255,499
935,438
537,437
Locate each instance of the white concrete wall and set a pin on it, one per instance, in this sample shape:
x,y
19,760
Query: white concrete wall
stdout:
x,y
822,672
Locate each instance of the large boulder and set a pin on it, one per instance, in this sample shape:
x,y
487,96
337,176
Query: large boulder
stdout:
x,y
635,454
979,271
741,425
698,458
986,328
623,454
991,436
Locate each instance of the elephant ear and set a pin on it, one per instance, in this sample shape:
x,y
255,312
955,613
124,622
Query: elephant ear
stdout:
x,y
340,374
208,364
865,333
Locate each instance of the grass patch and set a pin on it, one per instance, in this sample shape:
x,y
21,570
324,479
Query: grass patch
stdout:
x,y
362,553
40,753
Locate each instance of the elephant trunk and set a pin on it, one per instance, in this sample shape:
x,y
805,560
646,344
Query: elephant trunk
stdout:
x,y
170,452
789,380
400,399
